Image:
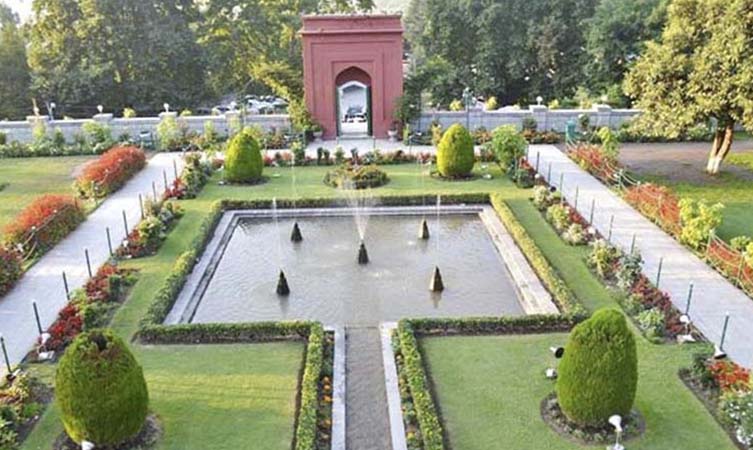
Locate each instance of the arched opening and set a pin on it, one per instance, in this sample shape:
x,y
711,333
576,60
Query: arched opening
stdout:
x,y
353,103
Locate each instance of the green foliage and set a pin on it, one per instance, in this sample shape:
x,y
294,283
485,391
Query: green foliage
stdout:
x,y
348,176
610,145
98,136
561,293
629,270
14,70
698,221
100,389
306,430
651,321
455,158
598,374
740,243
559,216
540,197
508,145
575,234
491,104
603,257
736,411
171,135
129,113
687,77
456,105
243,160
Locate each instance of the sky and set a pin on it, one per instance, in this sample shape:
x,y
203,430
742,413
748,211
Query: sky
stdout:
x,y
22,7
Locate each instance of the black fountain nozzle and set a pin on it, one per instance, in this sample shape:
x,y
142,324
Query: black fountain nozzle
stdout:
x,y
363,255
436,285
423,232
282,285
296,235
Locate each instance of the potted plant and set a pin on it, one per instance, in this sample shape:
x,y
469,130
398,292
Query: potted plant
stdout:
x,y
392,132
317,131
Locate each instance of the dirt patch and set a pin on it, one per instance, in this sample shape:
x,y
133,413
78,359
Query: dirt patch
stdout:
x,y
679,161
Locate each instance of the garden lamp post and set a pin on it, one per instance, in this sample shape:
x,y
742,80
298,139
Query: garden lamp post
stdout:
x,y
467,98
539,100
166,106
100,108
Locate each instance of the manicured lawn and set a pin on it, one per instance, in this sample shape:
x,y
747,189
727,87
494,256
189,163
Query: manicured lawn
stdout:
x,y
213,396
28,178
490,388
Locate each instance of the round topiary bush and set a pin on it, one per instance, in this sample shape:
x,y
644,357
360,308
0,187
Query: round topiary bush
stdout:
x,y
455,157
348,176
100,390
598,374
243,161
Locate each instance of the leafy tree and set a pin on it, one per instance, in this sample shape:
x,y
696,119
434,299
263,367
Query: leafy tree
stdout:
x,y
137,53
14,71
616,37
700,70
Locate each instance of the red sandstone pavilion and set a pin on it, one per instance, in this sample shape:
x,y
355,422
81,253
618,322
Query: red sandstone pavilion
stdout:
x,y
352,70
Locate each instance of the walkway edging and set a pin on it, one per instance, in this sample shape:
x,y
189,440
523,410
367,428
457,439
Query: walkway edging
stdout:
x,y
394,403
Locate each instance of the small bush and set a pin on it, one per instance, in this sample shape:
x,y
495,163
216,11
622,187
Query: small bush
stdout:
x,y
100,390
559,216
10,268
508,145
243,161
455,157
52,216
598,375
171,135
575,234
603,258
349,176
698,221
629,270
110,172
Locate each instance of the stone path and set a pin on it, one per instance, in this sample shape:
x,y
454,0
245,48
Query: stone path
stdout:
x,y
713,295
367,422
44,283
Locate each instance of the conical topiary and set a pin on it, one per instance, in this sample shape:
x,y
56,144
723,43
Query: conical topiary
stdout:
x,y
455,156
243,160
100,390
598,374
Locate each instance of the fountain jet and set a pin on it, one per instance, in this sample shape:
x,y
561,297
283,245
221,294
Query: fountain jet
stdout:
x,y
436,284
283,289
363,255
423,232
296,235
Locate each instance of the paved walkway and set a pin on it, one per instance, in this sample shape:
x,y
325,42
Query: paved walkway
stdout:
x,y
713,295
44,282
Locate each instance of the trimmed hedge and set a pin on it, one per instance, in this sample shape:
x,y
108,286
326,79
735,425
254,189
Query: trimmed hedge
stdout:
x,y
100,390
561,293
306,428
243,160
52,216
598,375
224,333
455,158
110,172
535,323
418,386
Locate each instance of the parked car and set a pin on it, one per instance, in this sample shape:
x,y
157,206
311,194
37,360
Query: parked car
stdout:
x,y
355,114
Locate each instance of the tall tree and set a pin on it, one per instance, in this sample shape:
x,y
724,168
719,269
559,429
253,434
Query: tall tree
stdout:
x,y
701,70
14,71
138,53
616,36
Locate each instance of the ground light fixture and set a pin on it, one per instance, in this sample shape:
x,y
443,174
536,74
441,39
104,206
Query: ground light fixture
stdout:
x,y
558,352
616,422
719,352
86,445
686,338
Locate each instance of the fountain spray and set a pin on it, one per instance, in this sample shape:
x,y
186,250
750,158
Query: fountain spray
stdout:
x,y
282,282
436,284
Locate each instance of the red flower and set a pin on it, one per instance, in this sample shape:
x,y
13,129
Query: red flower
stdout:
x,y
110,171
729,376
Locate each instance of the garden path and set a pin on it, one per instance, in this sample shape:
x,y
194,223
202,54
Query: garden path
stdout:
x,y
43,282
713,295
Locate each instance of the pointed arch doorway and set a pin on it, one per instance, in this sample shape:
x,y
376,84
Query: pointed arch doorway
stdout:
x,y
347,59
353,103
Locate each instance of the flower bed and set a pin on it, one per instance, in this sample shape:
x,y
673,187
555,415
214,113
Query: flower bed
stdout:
x,y
349,176
90,307
44,223
591,159
657,203
109,172
725,389
21,401
731,263
194,176
11,268
147,237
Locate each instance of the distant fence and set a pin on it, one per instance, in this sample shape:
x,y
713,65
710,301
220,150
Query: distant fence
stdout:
x,y
546,120
22,131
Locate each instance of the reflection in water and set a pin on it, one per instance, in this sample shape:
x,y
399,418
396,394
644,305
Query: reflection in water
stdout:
x,y
327,284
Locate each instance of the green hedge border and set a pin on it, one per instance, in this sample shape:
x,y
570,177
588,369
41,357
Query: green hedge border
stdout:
x,y
419,383
561,293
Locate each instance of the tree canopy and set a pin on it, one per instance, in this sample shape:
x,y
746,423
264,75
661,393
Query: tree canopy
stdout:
x,y
14,71
700,70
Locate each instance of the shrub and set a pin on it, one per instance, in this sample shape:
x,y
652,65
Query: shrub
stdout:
x,y
508,145
171,135
129,113
651,321
559,216
52,217
698,221
610,145
194,176
629,270
740,243
455,153
456,105
540,197
98,136
603,258
736,410
66,327
598,374
491,104
574,235
243,161
109,172
349,176
100,390
10,268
